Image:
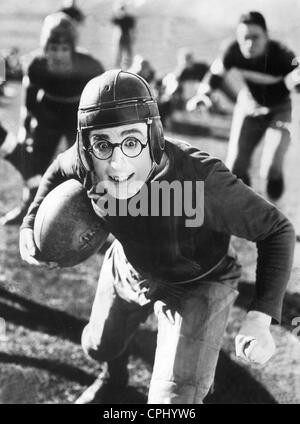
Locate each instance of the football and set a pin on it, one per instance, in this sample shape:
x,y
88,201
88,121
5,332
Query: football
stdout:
x,y
66,228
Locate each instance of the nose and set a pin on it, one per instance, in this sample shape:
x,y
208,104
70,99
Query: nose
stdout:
x,y
118,159
249,44
60,54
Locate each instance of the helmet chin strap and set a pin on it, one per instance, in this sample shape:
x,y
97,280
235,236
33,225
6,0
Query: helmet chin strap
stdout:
x,y
149,122
155,165
151,171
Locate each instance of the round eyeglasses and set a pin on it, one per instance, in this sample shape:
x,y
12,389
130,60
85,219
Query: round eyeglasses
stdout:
x,y
102,149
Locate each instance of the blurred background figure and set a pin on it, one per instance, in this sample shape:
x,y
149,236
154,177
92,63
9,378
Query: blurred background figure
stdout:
x,y
188,73
143,68
263,109
179,86
54,77
125,25
10,70
70,8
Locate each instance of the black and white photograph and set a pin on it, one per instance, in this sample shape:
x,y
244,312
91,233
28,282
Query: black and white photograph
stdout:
x,y
149,204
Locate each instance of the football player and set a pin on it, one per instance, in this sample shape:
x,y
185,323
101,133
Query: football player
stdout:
x,y
263,109
188,273
54,78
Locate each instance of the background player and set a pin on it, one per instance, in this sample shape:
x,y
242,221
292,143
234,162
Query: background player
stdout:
x,y
263,106
54,78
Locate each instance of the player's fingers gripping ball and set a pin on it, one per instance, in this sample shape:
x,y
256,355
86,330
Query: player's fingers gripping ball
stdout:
x,y
66,229
254,342
28,249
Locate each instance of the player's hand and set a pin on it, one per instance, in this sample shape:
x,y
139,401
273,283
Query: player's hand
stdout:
x,y
28,249
254,342
169,313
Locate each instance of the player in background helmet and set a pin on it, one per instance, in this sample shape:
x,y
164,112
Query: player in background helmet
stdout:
x,y
185,270
54,78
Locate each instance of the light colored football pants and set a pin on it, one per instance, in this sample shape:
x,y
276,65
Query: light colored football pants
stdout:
x,y
250,124
187,350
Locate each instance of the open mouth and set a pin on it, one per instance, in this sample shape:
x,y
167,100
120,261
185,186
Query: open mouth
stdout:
x,y
117,179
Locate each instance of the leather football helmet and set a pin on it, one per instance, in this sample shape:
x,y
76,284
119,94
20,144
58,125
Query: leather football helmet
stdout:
x,y
118,98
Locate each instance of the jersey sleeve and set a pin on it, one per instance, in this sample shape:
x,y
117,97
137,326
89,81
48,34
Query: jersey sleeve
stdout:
x,y
31,85
226,60
234,208
286,60
229,56
65,167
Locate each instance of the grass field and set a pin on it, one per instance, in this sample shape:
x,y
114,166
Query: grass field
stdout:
x,y
43,312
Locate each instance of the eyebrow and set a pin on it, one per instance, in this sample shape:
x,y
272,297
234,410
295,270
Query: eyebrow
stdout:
x,y
123,133
133,130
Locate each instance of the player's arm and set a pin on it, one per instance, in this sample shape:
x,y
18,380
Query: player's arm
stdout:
x,y
288,67
292,79
236,209
29,105
63,168
215,79
212,80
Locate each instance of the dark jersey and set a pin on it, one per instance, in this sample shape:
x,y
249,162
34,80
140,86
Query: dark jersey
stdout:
x,y
263,75
61,87
164,249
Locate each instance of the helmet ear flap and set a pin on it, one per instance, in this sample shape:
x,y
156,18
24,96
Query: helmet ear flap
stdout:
x,y
82,145
157,140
